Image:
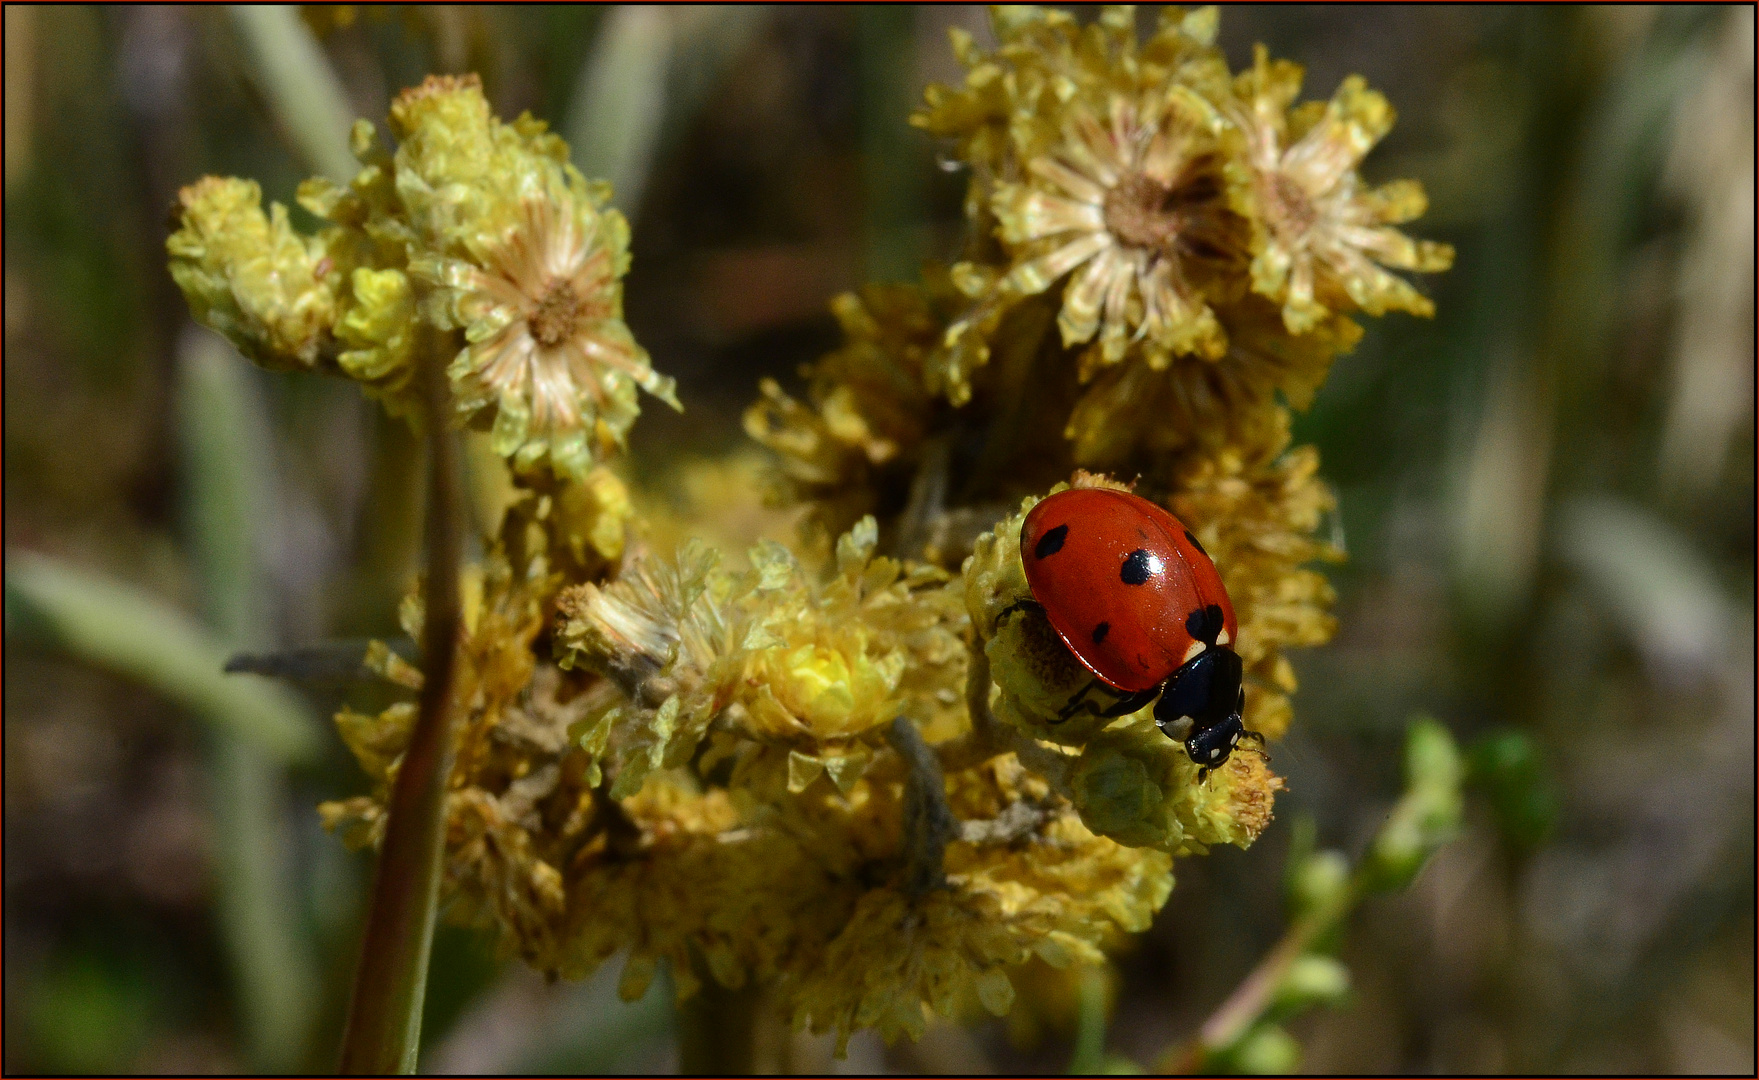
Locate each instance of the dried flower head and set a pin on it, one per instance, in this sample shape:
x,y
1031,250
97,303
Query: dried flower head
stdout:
x,y
1321,237
852,449
477,233
1096,160
1133,417
519,805
808,671
1024,879
528,262
1130,210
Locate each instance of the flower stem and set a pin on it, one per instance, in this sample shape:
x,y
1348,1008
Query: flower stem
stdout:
x,y
717,1031
1253,996
1090,1022
928,821
384,1019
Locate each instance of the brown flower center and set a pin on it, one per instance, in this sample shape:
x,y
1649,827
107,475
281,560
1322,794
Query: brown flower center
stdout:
x,y
1136,212
1290,203
557,316
1145,213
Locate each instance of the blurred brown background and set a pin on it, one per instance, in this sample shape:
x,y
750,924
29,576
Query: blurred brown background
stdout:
x,y
1547,495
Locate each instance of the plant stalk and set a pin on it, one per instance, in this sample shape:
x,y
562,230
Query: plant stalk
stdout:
x,y
384,1017
1253,996
717,1029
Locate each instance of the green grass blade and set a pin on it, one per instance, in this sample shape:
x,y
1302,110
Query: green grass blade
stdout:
x,y
228,493
296,78
131,632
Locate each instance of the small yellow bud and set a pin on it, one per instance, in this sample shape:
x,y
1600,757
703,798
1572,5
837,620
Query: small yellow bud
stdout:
x,y
249,276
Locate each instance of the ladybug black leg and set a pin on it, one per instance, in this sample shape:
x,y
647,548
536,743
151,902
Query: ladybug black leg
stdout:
x,y
1123,706
1075,704
1025,604
1130,702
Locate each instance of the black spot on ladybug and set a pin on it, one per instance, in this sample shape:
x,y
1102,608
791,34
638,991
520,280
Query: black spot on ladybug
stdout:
x,y
1195,544
1139,566
1100,631
1205,623
1051,542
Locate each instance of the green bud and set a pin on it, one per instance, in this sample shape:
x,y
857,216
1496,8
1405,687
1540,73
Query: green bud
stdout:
x,y
1318,882
1507,766
1432,762
1426,817
1312,980
1124,788
1266,1049
1119,1065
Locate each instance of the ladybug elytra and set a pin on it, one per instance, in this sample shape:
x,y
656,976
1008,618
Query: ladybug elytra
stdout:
x,y
1137,600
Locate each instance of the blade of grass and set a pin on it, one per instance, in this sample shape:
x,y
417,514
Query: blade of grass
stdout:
x,y
617,109
299,84
134,633
384,1018
228,477
648,72
894,156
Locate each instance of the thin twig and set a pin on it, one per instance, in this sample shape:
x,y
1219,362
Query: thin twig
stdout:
x,y
1253,996
384,1020
717,1029
928,820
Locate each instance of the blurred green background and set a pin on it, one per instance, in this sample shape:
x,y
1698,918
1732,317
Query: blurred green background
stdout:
x,y
1547,495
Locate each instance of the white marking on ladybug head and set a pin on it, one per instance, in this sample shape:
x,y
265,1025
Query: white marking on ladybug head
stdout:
x,y
1195,650
1222,638
1235,740
1215,752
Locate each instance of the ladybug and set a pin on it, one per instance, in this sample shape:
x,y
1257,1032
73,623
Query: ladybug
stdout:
x,y
1135,597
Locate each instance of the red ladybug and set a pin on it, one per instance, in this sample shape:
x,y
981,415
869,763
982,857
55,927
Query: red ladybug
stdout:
x,y
1136,599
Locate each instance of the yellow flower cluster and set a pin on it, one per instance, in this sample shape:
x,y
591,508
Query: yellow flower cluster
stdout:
x,y
835,770
802,675
1164,258
1159,191
853,452
476,232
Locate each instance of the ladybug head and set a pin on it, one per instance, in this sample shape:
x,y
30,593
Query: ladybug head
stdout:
x,y
1210,746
